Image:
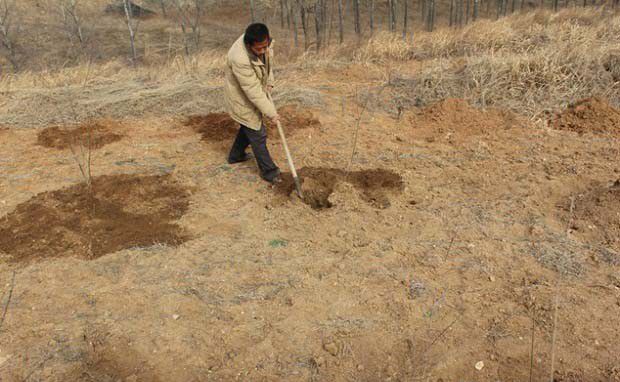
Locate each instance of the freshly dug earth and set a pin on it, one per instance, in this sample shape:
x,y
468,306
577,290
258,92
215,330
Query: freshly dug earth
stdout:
x,y
456,118
219,127
90,134
590,115
123,211
597,214
319,183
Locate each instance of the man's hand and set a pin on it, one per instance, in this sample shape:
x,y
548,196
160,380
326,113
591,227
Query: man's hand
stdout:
x,y
275,119
269,89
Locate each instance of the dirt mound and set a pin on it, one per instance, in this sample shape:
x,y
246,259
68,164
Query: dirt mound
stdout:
x,y
94,134
219,127
214,127
597,214
588,115
456,117
319,183
122,211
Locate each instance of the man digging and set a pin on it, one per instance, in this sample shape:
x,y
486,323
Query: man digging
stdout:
x,y
249,81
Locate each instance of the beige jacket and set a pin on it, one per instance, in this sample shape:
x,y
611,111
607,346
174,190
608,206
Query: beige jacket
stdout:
x,y
247,79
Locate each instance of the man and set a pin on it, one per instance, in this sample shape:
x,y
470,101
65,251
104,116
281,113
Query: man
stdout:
x,y
249,80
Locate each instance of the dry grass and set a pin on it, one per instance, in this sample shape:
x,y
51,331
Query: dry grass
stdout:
x,y
528,63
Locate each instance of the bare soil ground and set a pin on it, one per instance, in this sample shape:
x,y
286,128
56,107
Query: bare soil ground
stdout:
x,y
589,115
432,242
113,213
219,127
94,134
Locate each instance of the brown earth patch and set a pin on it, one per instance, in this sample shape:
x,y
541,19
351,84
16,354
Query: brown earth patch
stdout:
x,y
456,117
122,211
588,115
90,134
596,215
219,127
318,185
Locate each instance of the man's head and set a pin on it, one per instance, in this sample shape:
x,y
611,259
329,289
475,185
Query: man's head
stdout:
x,y
257,38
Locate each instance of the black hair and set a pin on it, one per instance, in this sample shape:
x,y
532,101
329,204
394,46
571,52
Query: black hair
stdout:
x,y
254,33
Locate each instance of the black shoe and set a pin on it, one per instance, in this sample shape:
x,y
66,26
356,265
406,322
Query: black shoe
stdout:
x,y
273,176
244,158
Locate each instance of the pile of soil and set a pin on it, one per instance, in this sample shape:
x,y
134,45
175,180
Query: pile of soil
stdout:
x,y
214,127
219,127
319,183
457,117
597,213
91,134
118,212
588,115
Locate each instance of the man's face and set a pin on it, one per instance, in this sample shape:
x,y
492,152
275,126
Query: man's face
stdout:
x,y
259,48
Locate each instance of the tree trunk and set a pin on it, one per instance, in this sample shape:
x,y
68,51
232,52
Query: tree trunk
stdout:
x,y
304,25
405,17
252,11
131,31
394,14
432,15
467,13
475,15
282,14
317,25
162,3
340,23
294,22
451,19
371,16
356,10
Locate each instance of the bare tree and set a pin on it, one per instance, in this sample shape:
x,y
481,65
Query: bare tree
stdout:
x,y
430,15
190,14
467,12
475,15
252,11
340,23
371,15
317,24
405,16
132,27
282,11
304,23
7,29
356,10
393,5
294,22
162,4
71,21
451,13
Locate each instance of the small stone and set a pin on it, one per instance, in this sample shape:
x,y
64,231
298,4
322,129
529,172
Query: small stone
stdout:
x,y
492,278
360,367
175,316
331,348
479,365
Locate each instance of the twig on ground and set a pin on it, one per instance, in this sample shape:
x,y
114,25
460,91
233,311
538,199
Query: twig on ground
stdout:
x,y
532,347
8,300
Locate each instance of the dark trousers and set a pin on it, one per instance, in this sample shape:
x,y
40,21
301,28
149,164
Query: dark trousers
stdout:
x,y
258,140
